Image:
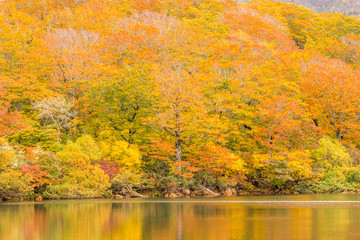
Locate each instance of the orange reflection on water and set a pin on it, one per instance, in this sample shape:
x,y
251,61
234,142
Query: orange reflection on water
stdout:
x,y
139,220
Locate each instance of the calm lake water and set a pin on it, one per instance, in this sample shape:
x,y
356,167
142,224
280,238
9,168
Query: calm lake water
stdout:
x,y
252,217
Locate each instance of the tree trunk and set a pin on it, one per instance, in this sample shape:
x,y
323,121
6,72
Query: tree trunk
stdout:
x,y
58,133
178,151
339,134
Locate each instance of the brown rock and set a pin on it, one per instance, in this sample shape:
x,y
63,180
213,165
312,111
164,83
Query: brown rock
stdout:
x,y
172,195
0,200
234,191
228,192
166,195
186,192
347,192
118,196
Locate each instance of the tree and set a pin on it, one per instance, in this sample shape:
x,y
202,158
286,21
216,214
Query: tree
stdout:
x,y
333,96
11,121
281,123
55,111
120,103
180,107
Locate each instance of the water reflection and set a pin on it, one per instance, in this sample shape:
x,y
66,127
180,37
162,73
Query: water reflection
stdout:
x,y
137,220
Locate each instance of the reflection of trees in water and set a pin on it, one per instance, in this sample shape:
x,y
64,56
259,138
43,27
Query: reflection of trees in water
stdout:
x,y
179,227
162,221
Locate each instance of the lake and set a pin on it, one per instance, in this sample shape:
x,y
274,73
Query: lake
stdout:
x,y
248,217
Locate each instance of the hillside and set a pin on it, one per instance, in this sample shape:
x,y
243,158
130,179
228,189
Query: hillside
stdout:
x,y
349,7
163,97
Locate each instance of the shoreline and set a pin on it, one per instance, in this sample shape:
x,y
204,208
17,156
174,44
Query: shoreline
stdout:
x,y
169,196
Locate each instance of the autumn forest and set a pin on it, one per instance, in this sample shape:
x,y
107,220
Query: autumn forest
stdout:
x,y
147,98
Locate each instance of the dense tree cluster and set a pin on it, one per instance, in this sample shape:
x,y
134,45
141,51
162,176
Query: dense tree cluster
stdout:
x,y
97,96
